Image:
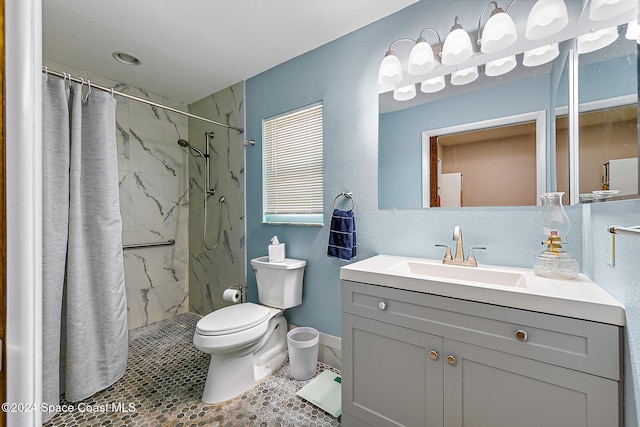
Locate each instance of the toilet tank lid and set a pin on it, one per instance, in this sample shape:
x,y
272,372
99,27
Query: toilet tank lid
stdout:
x,y
288,264
234,318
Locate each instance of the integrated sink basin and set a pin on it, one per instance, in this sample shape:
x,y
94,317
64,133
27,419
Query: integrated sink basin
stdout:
x,y
513,287
480,274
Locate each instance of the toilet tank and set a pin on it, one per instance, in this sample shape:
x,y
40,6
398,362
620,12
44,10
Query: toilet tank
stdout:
x,y
279,283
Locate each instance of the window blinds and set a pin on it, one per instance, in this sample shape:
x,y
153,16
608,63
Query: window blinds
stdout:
x,y
293,163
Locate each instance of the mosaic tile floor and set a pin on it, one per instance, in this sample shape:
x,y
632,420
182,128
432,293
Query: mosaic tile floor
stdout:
x,y
164,380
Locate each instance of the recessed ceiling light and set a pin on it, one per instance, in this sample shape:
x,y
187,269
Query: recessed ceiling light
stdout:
x,y
127,59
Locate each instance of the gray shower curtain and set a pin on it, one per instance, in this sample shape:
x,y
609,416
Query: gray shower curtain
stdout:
x,y
84,303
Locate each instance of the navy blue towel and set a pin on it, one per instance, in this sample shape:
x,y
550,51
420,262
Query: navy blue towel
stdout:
x,y
342,235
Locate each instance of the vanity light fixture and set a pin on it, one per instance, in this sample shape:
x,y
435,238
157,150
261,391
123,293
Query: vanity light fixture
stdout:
x,y
433,85
421,58
404,93
547,17
390,71
499,31
500,66
633,31
540,55
457,46
600,10
465,76
596,40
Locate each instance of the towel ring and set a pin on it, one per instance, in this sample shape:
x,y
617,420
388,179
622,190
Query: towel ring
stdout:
x,y
348,196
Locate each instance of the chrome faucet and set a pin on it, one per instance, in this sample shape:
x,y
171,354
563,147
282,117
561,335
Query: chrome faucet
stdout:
x,y
457,237
458,258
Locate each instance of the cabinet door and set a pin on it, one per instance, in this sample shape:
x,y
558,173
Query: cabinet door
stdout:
x,y
389,376
487,388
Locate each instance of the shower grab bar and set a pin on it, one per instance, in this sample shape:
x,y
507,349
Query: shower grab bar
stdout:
x,y
169,242
630,231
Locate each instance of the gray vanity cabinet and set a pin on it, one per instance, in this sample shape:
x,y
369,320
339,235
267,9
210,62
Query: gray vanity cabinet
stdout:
x,y
414,359
393,381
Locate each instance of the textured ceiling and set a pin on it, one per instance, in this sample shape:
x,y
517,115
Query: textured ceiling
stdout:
x,y
192,48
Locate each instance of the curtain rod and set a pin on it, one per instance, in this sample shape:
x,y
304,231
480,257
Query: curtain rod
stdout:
x,y
135,98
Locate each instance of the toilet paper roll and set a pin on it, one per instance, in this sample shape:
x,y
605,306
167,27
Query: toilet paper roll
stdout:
x,y
232,295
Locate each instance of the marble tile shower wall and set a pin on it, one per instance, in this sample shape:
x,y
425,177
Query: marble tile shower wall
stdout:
x,y
154,201
214,270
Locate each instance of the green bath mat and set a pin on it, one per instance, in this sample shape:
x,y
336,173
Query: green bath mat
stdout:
x,y
325,392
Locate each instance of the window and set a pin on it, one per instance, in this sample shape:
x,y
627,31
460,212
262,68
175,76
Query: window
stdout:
x,y
292,155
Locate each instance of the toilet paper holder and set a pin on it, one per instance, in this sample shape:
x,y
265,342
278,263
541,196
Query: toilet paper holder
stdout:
x,y
240,287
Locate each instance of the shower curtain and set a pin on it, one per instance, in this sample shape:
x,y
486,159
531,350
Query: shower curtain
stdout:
x,y
84,303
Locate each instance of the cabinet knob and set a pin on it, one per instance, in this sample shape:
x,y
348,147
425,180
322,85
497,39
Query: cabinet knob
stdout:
x,y
382,305
521,335
433,355
451,360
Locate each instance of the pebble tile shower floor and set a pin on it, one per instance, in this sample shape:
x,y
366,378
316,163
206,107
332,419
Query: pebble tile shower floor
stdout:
x,y
164,381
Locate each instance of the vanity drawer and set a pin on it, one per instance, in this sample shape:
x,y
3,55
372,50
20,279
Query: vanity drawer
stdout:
x,y
572,343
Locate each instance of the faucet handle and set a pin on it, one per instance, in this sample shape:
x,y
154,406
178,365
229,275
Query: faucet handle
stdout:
x,y
447,253
472,257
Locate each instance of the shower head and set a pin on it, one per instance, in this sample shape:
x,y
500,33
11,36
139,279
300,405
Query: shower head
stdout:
x,y
184,143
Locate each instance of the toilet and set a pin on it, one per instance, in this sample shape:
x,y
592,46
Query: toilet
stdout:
x,y
247,341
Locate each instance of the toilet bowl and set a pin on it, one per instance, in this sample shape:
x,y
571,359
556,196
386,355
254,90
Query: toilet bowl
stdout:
x,y
247,342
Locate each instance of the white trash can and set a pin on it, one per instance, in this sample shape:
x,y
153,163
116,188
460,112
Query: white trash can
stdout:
x,y
303,352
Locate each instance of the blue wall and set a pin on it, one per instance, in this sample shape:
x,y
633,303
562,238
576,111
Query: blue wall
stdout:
x,y
342,75
621,281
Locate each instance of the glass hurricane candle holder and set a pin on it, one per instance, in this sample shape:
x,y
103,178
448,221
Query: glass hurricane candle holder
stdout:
x,y
554,262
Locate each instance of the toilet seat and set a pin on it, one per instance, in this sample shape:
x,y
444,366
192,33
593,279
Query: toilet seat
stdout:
x,y
232,319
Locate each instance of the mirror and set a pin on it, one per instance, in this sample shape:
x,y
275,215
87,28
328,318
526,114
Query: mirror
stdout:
x,y
607,126
498,162
488,102
602,84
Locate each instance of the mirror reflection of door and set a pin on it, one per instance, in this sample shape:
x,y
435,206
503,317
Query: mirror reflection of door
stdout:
x,y
487,167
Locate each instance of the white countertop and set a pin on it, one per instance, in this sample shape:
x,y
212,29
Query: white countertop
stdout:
x,y
580,298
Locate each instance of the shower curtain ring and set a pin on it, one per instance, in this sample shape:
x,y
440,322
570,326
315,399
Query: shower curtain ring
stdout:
x,y
46,71
88,90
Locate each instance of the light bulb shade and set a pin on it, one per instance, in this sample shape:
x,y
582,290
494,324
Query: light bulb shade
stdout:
x,y
540,55
433,85
554,217
500,66
596,40
599,10
421,59
462,77
457,47
405,93
633,31
547,17
499,33
390,71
